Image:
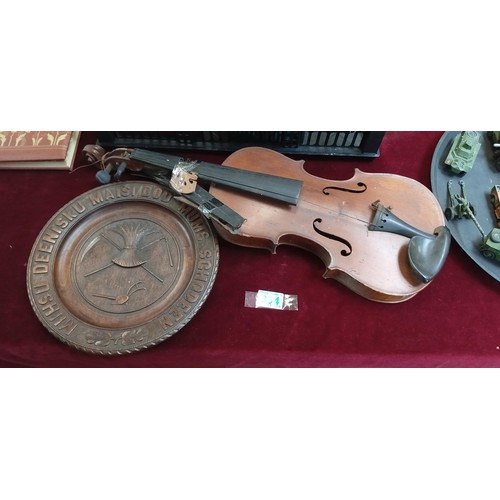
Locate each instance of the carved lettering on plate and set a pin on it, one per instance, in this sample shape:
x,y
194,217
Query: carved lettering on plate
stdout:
x,y
121,268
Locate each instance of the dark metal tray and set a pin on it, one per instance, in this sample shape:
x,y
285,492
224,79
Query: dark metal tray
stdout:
x,y
478,183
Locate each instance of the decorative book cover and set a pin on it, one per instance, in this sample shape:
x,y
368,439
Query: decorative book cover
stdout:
x,y
45,150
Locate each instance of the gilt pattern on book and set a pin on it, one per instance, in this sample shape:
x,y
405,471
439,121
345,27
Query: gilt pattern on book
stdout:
x,y
39,149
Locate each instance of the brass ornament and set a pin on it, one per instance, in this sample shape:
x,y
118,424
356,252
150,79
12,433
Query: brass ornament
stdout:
x,y
121,268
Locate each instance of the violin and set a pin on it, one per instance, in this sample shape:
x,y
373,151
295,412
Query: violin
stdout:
x,y
383,236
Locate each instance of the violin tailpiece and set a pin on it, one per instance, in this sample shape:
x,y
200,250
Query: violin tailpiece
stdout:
x,y
426,252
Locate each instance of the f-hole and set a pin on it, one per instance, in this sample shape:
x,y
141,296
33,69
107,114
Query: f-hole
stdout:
x,y
334,237
362,188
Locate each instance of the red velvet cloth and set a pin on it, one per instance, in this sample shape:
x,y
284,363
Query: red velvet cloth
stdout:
x,y
451,323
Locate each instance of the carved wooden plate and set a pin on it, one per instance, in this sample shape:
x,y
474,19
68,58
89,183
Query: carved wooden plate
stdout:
x,y
121,268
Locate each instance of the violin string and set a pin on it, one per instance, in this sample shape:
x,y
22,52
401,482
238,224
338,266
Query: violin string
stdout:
x,y
84,166
335,212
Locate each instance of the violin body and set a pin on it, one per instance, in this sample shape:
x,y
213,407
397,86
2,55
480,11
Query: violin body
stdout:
x,y
331,220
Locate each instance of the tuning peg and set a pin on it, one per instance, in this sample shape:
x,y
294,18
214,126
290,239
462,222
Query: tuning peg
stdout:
x,y
119,171
104,176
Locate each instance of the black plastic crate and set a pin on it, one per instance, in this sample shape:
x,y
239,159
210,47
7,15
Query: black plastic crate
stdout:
x,y
363,144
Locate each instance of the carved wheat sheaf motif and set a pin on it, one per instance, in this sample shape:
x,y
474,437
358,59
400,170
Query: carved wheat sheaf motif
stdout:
x,y
132,235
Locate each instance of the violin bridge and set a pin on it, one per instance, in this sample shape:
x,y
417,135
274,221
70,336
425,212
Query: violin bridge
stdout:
x,y
183,181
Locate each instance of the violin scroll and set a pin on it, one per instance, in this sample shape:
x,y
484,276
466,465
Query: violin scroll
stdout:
x,y
93,153
117,160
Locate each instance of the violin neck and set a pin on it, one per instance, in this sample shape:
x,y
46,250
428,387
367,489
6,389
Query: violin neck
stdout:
x,y
270,186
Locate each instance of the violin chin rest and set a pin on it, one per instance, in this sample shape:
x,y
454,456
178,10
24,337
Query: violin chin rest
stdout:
x,y
428,254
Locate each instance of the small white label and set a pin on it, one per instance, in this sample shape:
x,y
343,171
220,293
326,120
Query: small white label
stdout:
x,y
269,300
